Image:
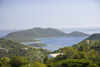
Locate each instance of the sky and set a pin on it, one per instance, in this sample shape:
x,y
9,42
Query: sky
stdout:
x,y
24,14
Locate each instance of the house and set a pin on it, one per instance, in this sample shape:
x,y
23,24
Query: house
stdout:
x,y
54,55
3,49
24,48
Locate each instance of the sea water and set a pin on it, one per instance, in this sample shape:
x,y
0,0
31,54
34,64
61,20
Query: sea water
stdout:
x,y
58,42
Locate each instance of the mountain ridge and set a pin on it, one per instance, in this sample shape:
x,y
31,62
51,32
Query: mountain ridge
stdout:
x,y
77,34
95,36
32,33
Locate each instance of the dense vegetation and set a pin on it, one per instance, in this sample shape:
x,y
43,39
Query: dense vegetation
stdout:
x,y
33,56
19,62
73,57
83,54
9,44
72,63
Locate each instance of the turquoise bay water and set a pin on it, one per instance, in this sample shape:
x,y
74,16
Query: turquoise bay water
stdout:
x,y
56,43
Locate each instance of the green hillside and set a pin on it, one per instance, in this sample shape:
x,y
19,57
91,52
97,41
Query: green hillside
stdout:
x,y
31,34
14,54
83,54
4,43
34,33
77,34
95,36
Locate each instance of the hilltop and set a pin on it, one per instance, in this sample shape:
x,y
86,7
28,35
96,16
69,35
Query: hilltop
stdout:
x,y
35,33
77,34
95,36
31,34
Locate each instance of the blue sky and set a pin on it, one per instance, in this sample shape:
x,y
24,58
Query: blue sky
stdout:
x,y
24,14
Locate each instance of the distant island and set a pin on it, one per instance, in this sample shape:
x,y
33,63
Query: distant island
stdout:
x,y
77,34
31,34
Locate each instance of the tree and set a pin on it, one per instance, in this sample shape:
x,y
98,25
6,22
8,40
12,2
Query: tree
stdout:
x,y
4,61
83,55
18,61
70,63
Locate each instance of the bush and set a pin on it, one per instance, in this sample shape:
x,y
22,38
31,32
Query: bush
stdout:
x,y
71,63
18,61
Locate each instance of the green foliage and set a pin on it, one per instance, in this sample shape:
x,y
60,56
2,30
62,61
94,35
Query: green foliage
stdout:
x,y
35,64
18,61
88,45
16,52
71,63
84,54
3,53
35,54
69,52
8,44
4,62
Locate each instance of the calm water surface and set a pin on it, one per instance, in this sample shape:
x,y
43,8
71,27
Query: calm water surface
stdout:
x,y
56,43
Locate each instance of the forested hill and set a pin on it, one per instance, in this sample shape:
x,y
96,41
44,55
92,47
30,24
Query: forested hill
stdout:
x,y
77,34
28,35
4,43
35,33
94,37
83,54
92,42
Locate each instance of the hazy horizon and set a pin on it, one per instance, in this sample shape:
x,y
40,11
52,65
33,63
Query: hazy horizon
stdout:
x,y
25,14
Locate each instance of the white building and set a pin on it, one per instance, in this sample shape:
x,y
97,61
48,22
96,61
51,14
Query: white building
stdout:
x,y
1,48
24,48
54,55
